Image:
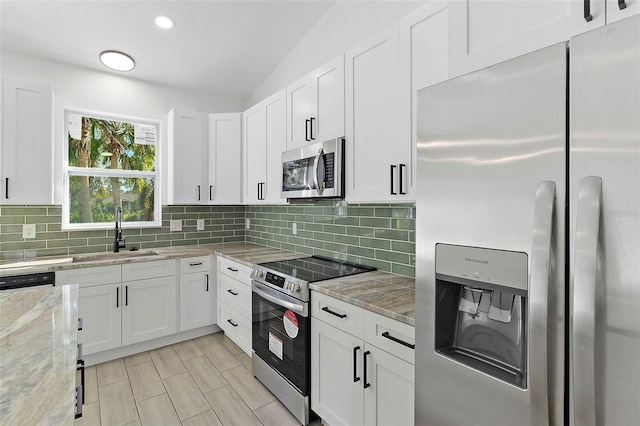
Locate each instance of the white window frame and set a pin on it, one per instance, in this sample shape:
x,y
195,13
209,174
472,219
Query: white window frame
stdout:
x,y
69,171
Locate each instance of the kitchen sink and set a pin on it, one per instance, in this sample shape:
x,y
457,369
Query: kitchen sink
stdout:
x,y
114,256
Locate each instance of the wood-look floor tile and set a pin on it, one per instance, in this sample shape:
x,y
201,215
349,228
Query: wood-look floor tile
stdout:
x,y
208,418
90,385
158,411
254,394
111,372
187,350
145,381
117,406
90,415
134,423
245,360
136,359
221,358
230,408
276,414
228,343
206,376
186,396
207,339
167,362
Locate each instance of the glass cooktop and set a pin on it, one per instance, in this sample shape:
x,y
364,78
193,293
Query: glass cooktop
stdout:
x,y
315,268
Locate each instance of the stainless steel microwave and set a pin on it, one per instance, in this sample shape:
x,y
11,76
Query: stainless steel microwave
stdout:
x,y
314,171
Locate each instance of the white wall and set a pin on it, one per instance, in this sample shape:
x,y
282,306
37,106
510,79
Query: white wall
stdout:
x,y
109,92
345,24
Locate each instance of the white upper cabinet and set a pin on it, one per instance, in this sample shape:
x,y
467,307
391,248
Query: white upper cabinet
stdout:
x,y
483,33
265,138
378,145
26,150
187,156
315,105
424,53
617,9
225,159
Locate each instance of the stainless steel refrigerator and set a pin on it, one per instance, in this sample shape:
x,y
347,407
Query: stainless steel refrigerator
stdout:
x,y
528,238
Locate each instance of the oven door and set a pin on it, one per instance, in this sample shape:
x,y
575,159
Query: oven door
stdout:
x,y
281,337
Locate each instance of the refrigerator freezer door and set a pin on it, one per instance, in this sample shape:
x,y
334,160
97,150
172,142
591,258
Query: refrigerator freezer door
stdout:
x,y
605,143
485,142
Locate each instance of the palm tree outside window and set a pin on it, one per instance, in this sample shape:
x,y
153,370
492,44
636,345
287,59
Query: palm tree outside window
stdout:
x,y
110,162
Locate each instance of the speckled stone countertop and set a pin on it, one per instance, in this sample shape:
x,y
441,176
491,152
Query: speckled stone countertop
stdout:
x,y
38,349
386,294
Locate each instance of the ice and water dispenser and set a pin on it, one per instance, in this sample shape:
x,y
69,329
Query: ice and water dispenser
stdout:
x,y
481,310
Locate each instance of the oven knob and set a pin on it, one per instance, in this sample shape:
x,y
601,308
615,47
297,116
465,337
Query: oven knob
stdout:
x,y
296,287
290,285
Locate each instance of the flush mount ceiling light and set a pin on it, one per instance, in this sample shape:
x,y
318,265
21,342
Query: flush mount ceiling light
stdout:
x,y
164,22
117,61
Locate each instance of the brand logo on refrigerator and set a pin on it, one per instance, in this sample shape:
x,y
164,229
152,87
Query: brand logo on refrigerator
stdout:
x,y
470,259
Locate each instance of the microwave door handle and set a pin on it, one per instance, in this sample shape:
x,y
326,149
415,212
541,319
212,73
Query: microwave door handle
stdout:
x,y
315,170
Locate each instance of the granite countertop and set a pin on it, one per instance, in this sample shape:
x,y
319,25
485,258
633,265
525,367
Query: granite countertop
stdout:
x,y
381,292
38,349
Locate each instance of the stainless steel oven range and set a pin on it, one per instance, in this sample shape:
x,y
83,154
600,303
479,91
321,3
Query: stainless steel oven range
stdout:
x,y
281,326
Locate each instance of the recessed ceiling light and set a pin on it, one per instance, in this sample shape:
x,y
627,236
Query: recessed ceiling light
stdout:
x,y
117,61
164,22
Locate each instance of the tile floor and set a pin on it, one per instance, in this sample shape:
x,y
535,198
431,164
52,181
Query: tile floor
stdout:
x,y
204,381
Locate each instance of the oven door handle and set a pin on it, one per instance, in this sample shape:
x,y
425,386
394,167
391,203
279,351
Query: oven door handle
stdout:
x,y
264,292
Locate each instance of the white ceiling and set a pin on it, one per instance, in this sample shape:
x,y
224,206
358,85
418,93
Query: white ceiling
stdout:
x,y
226,48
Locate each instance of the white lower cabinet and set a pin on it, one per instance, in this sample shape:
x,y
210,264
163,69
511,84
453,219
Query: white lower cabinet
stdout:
x,y
197,293
149,310
99,308
233,286
376,385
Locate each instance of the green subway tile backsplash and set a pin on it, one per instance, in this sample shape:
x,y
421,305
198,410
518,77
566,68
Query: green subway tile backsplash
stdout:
x,y
363,233
379,235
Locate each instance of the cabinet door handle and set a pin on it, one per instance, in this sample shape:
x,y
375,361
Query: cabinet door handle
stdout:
x,y
198,193
393,170
80,367
311,120
6,188
210,192
80,323
622,4
232,269
400,174
233,323
587,11
79,401
117,297
366,384
395,339
235,293
126,295
327,310
306,130
207,275
355,364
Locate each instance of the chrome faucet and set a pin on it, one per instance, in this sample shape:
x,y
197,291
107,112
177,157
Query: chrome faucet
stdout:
x,y
118,242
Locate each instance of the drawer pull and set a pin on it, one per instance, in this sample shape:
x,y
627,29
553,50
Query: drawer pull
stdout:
x,y
232,269
233,323
235,293
395,339
334,313
195,263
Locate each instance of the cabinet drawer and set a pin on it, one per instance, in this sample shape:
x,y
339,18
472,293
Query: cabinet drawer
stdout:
x,y
342,315
235,294
236,270
195,264
145,270
88,277
390,335
236,327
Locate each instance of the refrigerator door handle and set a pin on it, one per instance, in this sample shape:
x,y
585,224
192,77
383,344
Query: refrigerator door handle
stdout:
x,y
584,299
541,252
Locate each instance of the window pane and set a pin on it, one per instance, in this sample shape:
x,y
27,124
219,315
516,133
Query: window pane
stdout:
x,y
92,198
110,144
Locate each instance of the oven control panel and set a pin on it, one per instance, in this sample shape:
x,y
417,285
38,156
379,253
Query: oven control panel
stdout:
x,y
290,285
274,279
